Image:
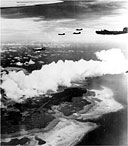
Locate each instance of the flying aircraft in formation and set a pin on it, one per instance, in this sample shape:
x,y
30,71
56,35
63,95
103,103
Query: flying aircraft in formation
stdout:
x,y
61,33
79,29
77,32
108,32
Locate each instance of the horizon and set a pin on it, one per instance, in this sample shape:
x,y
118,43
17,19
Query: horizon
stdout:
x,y
44,22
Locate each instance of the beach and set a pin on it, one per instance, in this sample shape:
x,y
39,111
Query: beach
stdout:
x,y
61,82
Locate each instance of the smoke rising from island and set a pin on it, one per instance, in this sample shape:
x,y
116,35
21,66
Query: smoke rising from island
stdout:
x,y
62,73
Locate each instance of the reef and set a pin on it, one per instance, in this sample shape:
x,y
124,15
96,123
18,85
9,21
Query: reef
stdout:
x,y
61,118
39,112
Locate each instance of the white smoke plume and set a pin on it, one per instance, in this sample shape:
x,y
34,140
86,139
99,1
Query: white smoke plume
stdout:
x,y
49,77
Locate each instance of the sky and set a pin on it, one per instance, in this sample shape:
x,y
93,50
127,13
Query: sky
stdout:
x,y
45,21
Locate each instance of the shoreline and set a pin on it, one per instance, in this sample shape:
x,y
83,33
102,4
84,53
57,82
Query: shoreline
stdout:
x,y
107,105
69,131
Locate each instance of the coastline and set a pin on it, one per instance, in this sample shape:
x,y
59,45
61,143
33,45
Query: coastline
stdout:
x,y
106,96
106,105
62,84
68,130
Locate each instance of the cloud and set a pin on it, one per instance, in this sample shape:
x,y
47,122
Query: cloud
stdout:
x,y
50,76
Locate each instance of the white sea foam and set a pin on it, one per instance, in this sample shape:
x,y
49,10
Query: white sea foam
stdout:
x,y
106,105
68,132
49,77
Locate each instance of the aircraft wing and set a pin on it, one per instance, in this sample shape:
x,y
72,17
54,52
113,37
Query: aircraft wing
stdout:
x,y
20,3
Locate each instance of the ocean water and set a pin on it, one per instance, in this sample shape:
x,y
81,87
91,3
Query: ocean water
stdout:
x,y
111,131
112,127
25,28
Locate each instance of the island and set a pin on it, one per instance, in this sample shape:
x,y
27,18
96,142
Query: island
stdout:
x,y
57,118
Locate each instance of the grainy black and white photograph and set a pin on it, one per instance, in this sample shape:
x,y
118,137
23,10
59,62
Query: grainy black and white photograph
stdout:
x,y
64,72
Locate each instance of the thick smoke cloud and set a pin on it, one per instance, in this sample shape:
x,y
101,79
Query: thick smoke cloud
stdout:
x,y
49,77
